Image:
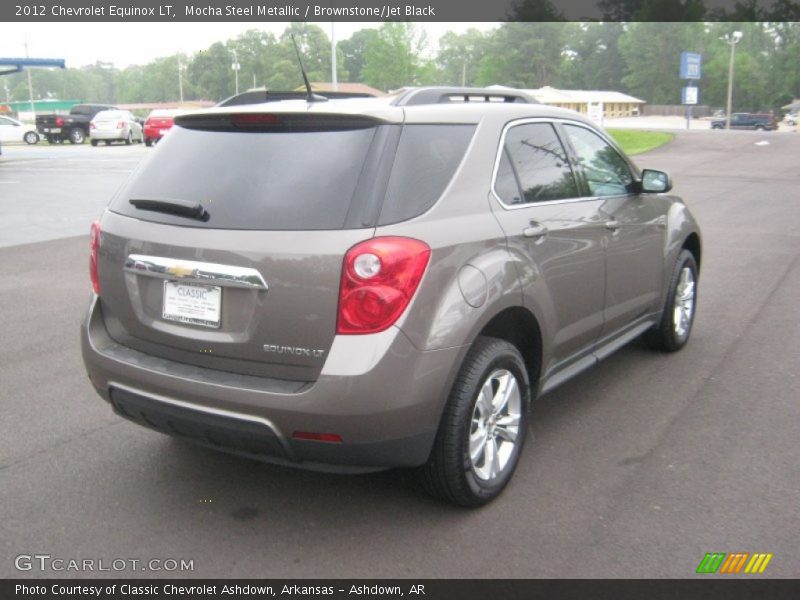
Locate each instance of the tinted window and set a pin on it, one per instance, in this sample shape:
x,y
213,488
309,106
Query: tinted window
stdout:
x,y
540,163
427,157
505,185
607,173
253,180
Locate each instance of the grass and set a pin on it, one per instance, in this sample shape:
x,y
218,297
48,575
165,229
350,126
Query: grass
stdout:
x,y
636,142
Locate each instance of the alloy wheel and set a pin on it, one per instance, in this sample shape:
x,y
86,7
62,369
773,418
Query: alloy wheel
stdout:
x,y
683,311
494,427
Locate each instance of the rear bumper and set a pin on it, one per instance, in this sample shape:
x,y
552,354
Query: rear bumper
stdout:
x,y
381,395
155,133
117,134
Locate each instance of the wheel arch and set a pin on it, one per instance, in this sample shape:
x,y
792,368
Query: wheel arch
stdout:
x,y
518,326
692,244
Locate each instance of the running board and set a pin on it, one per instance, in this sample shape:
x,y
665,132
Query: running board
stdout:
x,y
602,351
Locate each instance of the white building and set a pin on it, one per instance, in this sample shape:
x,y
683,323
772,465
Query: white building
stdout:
x,y
589,102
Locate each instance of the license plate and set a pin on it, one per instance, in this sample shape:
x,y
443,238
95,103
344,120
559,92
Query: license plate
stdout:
x,y
162,131
52,130
192,304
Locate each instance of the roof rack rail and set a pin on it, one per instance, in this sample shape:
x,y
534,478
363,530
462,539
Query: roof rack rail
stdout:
x,y
261,96
440,95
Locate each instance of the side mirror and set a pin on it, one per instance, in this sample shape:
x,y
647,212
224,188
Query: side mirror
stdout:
x,y
655,182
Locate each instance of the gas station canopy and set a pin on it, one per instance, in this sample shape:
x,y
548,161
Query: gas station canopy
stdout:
x,y
15,65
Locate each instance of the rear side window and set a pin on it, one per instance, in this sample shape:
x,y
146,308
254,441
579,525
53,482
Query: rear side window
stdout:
x,y
289,180
538,161
426,160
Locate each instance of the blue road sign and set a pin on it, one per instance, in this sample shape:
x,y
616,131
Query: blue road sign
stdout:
x,y
691,65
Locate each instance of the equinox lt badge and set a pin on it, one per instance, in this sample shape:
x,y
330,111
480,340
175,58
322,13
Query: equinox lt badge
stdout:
x,y
295,350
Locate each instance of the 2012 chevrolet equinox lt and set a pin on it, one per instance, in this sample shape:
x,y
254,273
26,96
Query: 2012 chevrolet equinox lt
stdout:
x,y
370,283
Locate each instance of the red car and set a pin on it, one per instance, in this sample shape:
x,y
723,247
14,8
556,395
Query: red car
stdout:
x,y
157,124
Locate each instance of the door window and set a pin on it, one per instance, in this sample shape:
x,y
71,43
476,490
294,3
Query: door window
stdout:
x,y
533,166
607,173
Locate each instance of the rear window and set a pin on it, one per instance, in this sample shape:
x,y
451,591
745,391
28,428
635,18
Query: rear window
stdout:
x,y
287,180
298,174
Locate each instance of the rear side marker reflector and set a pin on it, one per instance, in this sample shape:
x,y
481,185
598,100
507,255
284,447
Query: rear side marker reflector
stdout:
x,y
317,437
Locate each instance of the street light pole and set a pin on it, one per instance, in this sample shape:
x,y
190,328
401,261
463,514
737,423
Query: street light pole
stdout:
x,y
180,78
30,84
236,68
732,41
334,78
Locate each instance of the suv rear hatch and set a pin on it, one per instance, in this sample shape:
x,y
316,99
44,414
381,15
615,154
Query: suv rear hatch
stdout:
x,y
225,248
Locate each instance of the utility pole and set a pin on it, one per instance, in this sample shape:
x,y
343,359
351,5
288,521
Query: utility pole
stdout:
x,y
30,84
334,79
732,41
236,67
180,78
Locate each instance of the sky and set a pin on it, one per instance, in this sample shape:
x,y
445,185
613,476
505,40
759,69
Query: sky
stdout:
x,y
127,44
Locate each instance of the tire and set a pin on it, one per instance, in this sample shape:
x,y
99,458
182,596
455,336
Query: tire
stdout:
x,y
76,136
148,142
51,139
460,469
716,127
672,333
94,143
129,139
107,142
760,128
31,137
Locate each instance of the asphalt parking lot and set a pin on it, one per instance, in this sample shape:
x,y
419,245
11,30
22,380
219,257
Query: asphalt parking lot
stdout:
x,y
635,469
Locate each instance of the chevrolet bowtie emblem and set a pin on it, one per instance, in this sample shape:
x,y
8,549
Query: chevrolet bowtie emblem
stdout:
x,y
180,271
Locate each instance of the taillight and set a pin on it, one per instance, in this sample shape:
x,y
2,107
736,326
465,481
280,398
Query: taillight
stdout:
x,y
121,125
59,121
92,125
379,278
94,241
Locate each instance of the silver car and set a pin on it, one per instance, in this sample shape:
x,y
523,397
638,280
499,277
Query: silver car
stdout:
x,y
361,284
115,126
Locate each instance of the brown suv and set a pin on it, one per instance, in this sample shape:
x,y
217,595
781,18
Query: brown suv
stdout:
x,y
369,283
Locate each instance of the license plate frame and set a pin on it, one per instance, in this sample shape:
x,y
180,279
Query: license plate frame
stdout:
x,y
192,304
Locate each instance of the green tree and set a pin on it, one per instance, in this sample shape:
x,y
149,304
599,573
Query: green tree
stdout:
x,y
526,55
393,57
256,50
594,60
460,56
651,52
353,51
211,74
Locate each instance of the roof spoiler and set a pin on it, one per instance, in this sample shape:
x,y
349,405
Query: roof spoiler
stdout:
x,y
440,95
262,96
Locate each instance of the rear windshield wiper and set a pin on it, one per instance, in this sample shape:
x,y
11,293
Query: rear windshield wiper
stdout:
x,y
181,208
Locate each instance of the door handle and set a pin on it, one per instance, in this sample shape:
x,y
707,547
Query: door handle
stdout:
x,y
535,230
613,225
